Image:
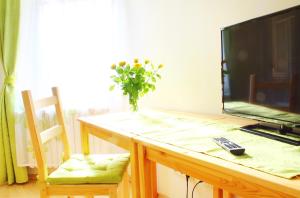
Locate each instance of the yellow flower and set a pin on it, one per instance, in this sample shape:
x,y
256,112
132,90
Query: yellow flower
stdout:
x,y
147,61
136,60
122,63
137,65
160,66
113,66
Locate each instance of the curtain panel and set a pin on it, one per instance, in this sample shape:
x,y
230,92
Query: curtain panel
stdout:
x,y
70,44
9,29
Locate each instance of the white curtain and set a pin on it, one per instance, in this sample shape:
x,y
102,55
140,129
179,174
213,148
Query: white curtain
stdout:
x,y
70,44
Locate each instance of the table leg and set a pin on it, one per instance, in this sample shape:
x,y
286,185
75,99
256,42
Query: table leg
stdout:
x,y
85,146
217,192
135,183
153,176
227,194
144,171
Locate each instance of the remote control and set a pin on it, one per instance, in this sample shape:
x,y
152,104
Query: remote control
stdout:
x,y
229,146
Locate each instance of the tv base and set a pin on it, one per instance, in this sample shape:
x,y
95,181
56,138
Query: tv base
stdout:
x,y
273,133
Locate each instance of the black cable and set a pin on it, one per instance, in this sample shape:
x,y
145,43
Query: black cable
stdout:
x,y
195,187
187,185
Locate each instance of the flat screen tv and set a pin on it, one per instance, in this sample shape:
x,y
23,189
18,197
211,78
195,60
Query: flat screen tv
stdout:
x,y
261,74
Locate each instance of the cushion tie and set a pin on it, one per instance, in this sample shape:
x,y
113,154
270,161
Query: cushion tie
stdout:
x,y
9,80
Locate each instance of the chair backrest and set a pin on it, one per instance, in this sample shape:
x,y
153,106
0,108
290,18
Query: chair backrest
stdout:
x,y
41,137
289,85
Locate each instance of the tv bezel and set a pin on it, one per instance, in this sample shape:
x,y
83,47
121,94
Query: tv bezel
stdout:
x,y
295,129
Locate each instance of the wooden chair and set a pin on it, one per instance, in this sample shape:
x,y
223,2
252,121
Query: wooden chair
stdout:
x,y
105,174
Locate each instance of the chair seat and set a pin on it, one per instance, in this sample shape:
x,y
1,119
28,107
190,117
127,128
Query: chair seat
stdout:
x,y
91,169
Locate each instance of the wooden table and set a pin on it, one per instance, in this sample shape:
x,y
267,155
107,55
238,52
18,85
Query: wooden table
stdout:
x,y
227,178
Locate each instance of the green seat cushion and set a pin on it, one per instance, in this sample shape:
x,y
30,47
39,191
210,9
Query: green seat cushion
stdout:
x,y
91,169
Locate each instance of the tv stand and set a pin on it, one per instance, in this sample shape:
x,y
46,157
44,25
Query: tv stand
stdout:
x,y
280,133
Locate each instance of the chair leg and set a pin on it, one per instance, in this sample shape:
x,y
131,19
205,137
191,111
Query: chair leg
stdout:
x,y
43,194
125,185
113,193
43,190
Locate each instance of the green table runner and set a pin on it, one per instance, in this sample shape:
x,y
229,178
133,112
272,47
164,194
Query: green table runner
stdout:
x,y
194,134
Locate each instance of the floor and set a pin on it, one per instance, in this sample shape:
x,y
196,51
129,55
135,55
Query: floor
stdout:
x,y
29,190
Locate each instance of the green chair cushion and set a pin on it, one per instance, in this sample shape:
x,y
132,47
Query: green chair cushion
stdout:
x,y
91,169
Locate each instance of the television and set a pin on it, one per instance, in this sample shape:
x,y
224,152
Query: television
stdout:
x,y
261,74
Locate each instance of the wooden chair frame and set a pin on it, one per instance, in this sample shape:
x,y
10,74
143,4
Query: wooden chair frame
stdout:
x,y
40,138
289,85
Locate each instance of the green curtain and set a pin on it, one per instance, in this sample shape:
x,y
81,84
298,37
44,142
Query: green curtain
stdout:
x,y
9,29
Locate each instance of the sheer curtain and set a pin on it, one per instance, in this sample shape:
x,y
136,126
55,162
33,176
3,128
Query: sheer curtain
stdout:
x,y
70,44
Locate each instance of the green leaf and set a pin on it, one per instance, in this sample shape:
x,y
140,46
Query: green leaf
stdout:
x,y
146,90
142,70
117,80
112,87
152,87
119,70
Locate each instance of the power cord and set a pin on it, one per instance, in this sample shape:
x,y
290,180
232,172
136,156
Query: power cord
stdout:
x,y
195,187
187,185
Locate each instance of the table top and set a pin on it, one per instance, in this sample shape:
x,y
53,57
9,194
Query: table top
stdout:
x,y
134,126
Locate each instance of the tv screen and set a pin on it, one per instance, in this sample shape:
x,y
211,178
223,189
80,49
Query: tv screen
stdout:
x,y
261,68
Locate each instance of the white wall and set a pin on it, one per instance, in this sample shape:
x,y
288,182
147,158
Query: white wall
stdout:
x,y
185,36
